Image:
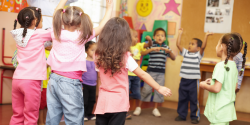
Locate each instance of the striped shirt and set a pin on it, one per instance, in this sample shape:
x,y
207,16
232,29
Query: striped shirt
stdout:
x,y
190,68
238,60
157,60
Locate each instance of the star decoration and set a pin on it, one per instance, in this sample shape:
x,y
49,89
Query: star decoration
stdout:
x,y
172,6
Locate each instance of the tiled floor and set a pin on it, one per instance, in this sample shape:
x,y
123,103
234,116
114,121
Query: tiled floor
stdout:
x,y
6,111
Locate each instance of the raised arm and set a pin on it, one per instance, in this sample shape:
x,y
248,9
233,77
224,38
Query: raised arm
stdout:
x,y
205,42
211,88
61,4
178,43
151,82
150,42
109,8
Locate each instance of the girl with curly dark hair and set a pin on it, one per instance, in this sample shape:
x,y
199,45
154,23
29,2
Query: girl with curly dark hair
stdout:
x,y
113,61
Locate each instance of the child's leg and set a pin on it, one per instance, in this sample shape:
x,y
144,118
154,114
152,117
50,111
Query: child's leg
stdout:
x,y
146,93
86,99
40,119
91,100
43,104
135,87
32,97
183,99
160,79
155,105
102,119
54,113
44,115
17,104
194,103
117,118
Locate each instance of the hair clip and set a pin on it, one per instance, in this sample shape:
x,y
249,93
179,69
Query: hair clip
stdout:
x,y
232,38
227,68
27,17
22,38
244,42
63,10
37,9
16,20
80,13
242,70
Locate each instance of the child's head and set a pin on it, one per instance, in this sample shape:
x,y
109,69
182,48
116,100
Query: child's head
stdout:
x,y
230,45
114,42
134,36
29,17
72,18
159,35
194,45
90,48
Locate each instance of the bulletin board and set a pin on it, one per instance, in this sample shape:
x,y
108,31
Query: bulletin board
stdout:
x,y
193,19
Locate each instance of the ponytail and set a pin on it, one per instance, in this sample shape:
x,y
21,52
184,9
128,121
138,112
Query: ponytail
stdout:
x,y
86,28
229,46
15,22
244,58
57,23
27,23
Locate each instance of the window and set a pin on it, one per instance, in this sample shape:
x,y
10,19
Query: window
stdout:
x,y
94,8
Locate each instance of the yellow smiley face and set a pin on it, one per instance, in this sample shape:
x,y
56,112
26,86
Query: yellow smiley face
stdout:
x,y
144,7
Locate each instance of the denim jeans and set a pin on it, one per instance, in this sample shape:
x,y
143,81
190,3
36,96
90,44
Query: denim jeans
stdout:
x,y
64,97
134,87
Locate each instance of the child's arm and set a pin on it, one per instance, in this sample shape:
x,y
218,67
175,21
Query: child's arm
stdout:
x,y
178,43
150,81
109,7
172,56
150,42
148,38
61,4
211,88
205,42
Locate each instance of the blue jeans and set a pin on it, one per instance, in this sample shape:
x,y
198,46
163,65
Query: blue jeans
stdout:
x,y
64,97
134,87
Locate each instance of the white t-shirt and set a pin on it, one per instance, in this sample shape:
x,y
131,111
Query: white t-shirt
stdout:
x,y
131,64
48,7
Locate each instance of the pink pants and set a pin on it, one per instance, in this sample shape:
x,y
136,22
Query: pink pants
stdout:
x,y
26,95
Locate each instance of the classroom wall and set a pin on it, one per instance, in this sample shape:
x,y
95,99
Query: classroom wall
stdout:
x,y
192,20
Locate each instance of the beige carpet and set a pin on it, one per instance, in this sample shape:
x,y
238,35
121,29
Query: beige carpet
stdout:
x,y
168,116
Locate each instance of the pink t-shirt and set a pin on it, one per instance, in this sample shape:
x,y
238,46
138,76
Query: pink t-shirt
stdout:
x,y
31,54
114,91
67,56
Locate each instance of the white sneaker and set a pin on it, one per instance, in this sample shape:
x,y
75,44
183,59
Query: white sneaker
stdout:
x,y
156,113
137,111
86,119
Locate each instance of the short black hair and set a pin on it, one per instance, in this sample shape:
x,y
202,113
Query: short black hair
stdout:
x,y
88,44
159,29
199,42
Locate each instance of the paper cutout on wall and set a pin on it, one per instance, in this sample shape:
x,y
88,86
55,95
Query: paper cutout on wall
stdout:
x,y
143,27
144,7
172,6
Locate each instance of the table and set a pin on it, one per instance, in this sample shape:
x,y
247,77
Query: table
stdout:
x,y
209,67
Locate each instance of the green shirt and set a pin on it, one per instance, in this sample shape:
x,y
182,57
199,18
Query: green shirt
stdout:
x,y
220,106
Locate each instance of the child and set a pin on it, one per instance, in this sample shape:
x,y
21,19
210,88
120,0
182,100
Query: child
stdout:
x,y
220,108
134,81
68,62
89,82
26,83
158,54
238,59
190,75
113,61
43,104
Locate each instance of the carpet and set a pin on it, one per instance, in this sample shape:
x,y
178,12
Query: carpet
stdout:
x,y
168,116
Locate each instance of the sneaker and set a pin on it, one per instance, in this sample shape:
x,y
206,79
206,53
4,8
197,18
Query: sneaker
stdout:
x,y
179,119
156,113
194,121
92,117
137,111
86,119
128,116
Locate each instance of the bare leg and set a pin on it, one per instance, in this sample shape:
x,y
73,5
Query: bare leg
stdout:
x,y
156,105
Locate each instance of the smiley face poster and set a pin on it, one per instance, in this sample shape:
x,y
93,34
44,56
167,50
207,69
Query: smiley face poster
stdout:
x,y
145,12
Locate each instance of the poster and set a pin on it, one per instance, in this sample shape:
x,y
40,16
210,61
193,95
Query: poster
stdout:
x,y
218,17
145,12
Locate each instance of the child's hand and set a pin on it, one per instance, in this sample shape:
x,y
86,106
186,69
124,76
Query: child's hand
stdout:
x,y
109,4
164,91
203,84
166,50
209,33
157,49
208,81
148,38
180,31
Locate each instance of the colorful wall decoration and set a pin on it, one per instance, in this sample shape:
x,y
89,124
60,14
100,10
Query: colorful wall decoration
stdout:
x,y
145,12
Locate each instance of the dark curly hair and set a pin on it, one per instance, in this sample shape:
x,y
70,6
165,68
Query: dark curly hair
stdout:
x,y
234,43
114,42
26,16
